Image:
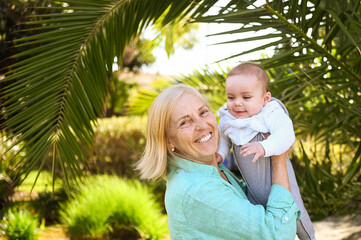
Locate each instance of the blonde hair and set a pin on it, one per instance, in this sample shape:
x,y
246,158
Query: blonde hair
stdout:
x,y
153,165
251,69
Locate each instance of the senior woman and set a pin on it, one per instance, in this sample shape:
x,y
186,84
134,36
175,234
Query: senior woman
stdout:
x,y
204,200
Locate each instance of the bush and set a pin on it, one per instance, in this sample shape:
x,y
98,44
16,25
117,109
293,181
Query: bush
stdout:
x,y
106,207
119,142
9,176
20,225
322,188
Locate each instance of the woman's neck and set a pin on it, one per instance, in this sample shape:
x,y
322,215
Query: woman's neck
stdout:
x,y
210,160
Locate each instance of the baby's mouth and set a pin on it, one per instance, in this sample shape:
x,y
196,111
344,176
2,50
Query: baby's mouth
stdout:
x,y
239,112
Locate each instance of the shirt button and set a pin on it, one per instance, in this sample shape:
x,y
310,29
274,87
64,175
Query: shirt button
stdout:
x,y
286,218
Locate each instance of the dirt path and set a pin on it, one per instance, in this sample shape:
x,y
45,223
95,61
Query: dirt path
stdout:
x,y
338,228
330,228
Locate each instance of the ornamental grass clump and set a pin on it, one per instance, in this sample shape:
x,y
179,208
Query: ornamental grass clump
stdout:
x,y
107,206
19,224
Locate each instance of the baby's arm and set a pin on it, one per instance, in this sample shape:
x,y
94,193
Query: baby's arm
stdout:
x,y
224,143
255,148
282,134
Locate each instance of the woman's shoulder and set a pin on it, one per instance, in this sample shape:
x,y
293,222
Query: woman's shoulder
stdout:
x,y
191,181
195,185
186,180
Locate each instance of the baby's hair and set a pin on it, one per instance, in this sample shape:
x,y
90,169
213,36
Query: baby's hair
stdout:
x,y
248,68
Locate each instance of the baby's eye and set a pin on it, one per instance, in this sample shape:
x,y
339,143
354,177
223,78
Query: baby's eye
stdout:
x,y
246,97
230,98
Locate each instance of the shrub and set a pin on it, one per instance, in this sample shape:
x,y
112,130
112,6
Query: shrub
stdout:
x,y
119,142
322,188
20,225
9,175
106,205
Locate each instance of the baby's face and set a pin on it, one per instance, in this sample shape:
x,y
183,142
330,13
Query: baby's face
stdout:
x,y
245,95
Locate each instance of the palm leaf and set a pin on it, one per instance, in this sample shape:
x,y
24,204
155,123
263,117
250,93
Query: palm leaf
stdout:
x,y
316,63
57,92
209,82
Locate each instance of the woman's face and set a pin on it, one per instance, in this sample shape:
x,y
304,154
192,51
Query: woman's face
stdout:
x,y
193,129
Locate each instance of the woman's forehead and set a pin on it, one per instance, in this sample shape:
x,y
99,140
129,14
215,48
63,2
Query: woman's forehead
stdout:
x,y
187,104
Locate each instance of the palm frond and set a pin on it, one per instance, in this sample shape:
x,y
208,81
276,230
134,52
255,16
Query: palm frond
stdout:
x,y
57,92
315,68
211,83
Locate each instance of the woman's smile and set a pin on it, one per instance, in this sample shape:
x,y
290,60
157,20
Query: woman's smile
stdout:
x,y
204,138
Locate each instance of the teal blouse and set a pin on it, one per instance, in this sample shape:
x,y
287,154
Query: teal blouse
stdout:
x,y
202,205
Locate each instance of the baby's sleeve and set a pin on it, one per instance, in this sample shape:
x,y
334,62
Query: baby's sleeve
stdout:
x,y
282,135
224,141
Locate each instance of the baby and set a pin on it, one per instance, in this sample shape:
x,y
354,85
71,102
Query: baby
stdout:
x,y
250,113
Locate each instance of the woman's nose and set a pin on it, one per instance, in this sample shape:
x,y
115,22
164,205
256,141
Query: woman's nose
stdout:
x,y
200,124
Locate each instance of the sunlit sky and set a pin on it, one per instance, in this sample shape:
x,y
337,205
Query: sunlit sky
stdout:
x,y
205,54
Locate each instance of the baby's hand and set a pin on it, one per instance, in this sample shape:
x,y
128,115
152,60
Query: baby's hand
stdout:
x,y
253,148
219,158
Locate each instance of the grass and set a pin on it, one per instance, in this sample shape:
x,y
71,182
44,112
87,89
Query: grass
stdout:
x,y
43,183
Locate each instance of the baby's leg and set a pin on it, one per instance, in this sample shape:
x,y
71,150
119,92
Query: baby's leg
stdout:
x,y
305,230
258,177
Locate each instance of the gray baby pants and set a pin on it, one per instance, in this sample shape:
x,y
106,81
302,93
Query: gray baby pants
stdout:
x,y
258,177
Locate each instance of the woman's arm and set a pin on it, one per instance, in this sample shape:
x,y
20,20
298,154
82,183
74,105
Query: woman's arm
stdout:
x,y
279,168
216,210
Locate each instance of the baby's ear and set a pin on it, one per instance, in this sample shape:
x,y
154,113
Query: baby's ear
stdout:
x,y
267,98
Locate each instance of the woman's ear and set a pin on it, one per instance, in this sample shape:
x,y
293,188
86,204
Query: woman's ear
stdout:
x,y
170,146
267,98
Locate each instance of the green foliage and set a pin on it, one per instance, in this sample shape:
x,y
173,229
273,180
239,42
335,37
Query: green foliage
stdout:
x,y
176,32
47,205
13,14
104,205
119,142
19,224
322,188
60,86
315,68
44,182
120,91
210,83
9,158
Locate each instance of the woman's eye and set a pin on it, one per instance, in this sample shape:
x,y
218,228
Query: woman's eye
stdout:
x,y
185,123
204,112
